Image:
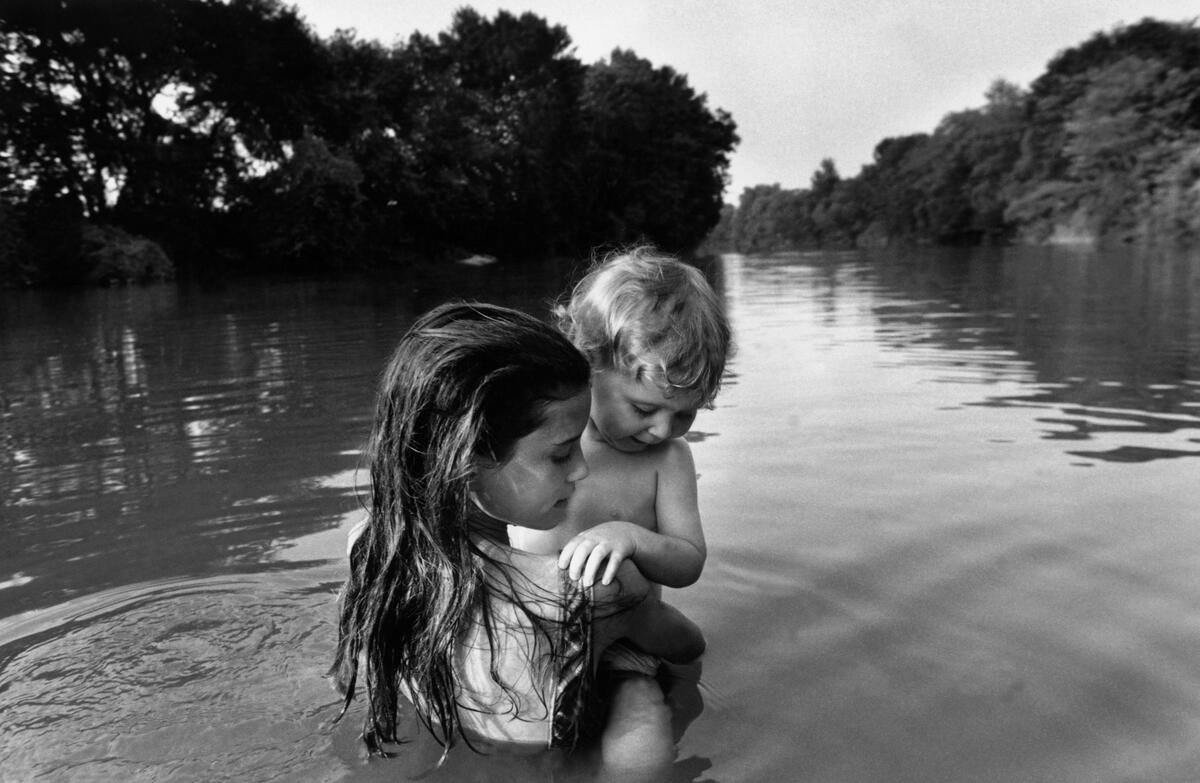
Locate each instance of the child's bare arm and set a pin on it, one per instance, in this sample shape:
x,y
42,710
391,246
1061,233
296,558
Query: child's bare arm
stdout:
x,y
676,556
673,556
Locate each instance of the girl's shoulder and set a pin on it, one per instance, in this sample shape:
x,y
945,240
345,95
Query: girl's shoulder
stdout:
x,y
534,580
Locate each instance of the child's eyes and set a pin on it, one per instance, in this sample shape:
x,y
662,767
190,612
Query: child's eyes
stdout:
x,y
560,459
643,411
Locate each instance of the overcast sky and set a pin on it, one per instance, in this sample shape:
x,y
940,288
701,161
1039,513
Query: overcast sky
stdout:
x,y
803,79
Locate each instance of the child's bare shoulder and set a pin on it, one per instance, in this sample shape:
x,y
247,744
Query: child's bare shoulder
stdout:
x,y
675,456
669,458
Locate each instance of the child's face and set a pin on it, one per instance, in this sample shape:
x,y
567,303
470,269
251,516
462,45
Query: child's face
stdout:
x,y
532,486
631,414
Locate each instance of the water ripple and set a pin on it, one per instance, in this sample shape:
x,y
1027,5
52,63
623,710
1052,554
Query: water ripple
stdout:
x,y
198,679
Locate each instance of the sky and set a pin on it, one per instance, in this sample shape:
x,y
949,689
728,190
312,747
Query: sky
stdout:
x,y
803,79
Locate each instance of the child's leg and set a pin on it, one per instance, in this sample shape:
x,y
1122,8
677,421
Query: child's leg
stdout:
x,y
638,732
681,692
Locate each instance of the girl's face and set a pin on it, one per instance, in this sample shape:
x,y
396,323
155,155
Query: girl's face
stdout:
x,y
631,414
531,488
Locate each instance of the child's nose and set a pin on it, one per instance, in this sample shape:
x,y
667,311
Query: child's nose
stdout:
x,y
660,427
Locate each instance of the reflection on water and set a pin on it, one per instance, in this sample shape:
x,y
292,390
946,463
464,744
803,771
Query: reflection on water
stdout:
x,y
142,431
1114,334
898,525
947,495
150,432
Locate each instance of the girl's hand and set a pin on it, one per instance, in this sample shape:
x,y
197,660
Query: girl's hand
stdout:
x,y
604,545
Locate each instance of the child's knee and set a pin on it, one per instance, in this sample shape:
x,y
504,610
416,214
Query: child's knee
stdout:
x,y
638,732
638,693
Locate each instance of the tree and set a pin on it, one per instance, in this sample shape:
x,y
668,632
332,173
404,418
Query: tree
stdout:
x,y
656,157
307,211
1054,94
759,224
467,139
204,121
137,105
889,185
527,89
825,180
1122,113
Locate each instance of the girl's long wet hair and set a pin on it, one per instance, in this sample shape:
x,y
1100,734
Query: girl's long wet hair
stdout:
x,y
466,381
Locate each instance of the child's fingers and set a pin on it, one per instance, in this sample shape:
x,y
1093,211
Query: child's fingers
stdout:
x,y
564,557
579,560
610,573
594,562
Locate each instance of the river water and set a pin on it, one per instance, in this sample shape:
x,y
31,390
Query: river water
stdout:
x,y
952,501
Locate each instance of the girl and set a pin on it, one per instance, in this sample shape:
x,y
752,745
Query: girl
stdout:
x,y
477,427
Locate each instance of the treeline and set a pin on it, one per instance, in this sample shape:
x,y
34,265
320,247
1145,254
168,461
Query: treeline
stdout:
x,y
233,136
1104,146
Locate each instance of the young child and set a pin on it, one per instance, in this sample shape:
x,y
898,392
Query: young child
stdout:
x,y
657,339
478,425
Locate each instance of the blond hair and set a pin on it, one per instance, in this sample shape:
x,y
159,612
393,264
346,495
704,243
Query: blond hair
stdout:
x,y
650,314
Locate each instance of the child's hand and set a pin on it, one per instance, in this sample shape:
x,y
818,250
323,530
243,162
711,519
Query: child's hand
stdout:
x,y
584,554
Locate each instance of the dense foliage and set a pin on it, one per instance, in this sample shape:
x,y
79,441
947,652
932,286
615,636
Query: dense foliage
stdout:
x,y
228,130
1104,146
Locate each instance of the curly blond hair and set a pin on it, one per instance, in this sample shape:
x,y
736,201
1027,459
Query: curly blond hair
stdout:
x,y
650,314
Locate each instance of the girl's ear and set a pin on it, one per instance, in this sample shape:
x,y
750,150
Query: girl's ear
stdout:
x,y
482,462
477,490
480,465
481,468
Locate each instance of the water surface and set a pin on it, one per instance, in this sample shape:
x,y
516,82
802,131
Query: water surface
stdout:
x,y
950,501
